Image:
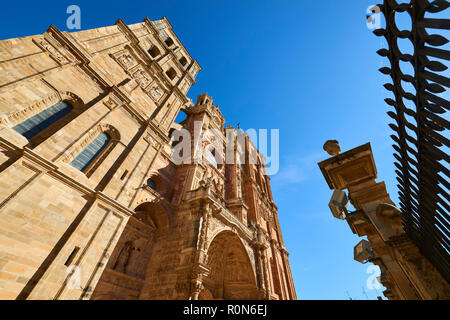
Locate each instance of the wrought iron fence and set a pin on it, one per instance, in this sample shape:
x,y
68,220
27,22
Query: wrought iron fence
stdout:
x,y
421,140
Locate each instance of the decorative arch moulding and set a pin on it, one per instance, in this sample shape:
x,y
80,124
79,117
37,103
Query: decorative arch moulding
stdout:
x,y
87,138
228,219
54,49
32,108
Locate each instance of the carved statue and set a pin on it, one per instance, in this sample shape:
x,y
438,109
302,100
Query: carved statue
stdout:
x,y
124,257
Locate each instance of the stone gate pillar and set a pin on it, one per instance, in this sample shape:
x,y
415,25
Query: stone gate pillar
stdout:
x,y
406,273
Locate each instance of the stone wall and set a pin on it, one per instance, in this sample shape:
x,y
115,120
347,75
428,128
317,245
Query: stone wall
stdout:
x,y
103,232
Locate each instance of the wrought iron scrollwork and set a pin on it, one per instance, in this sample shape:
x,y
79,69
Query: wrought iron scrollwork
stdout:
x,y
421,140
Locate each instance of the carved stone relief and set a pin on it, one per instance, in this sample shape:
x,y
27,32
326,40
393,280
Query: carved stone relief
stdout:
x,y
156,93
30,110
112,101
142,78
126,61
54,53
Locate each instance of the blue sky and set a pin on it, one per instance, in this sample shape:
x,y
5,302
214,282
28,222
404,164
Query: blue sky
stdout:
x,y
307,68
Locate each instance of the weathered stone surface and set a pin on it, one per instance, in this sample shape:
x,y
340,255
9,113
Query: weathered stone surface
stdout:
x,y
332,147
104,233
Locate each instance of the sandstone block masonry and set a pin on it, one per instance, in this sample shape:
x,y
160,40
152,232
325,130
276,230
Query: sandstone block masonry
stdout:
x,y
91,204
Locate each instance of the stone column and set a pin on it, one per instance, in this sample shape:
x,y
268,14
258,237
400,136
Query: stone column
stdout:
x,y
199,270
201,253
230,168
287,272
261,264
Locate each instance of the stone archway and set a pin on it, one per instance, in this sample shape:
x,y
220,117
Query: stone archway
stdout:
x,y
231,274
127,268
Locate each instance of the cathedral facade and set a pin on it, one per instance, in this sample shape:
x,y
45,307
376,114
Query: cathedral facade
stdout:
x,y
92,203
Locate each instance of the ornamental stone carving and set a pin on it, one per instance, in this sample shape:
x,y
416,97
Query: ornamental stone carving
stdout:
x,y
181,240
126,61
142,78
156,93
54,53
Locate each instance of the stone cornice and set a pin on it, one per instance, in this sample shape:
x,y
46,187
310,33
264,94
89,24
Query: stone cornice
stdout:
x,y
75,48
119,93
161,135
130,109
361,155
128,33
43,165
112,203
83,57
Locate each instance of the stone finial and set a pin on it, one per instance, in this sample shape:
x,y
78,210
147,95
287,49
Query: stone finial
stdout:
x,y
332,147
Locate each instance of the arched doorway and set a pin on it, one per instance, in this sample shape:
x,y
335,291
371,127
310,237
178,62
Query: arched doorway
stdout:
x,y
125,273
231,274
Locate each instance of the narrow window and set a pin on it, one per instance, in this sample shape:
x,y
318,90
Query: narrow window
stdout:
x,y
72,256
183,61
82,161
154,51
171,73
37,123
151,183
169,42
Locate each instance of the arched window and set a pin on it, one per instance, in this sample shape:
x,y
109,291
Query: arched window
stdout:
x,y
85,158
151,183
37,123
